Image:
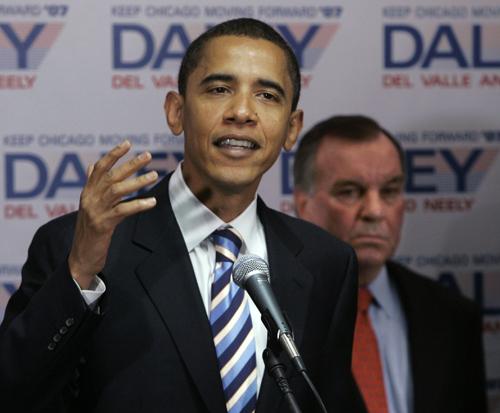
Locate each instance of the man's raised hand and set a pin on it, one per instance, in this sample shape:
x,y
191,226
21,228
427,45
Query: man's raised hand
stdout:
x,y
101,209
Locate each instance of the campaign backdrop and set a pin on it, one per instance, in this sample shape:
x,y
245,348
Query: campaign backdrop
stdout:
x,y
76,78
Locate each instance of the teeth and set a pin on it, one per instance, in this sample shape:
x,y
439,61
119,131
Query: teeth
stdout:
x,y
237,142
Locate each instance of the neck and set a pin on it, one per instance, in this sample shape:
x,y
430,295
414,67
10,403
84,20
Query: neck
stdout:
x,y
367,274
227,207
227,203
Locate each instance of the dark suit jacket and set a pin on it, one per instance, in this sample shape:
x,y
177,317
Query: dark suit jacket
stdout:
x,y
445,340
148,348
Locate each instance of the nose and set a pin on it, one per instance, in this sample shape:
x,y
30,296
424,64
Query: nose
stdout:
x,y
241,110
373,206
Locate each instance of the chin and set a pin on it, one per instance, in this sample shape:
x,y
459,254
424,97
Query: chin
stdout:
x,y
235,182
239,175
371,259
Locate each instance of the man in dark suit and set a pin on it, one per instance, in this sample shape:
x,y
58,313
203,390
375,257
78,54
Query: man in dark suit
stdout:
x,y
115,310
425,340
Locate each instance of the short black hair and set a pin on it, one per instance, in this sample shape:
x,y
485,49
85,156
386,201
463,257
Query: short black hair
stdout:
x,y
245,27
353,128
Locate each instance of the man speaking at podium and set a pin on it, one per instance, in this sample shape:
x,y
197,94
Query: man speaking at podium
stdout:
x,y
128,306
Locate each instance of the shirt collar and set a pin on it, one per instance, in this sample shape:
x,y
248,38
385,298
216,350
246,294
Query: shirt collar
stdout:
x,y
384,293
197,222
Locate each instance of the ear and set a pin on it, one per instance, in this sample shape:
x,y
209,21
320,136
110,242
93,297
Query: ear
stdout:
x,y
295,124
174,105
300,200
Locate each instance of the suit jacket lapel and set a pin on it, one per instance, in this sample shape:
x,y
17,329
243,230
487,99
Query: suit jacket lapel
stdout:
x,y
424,337
168,277
291,283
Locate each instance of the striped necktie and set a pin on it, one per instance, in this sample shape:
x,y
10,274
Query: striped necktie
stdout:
x,y
232,327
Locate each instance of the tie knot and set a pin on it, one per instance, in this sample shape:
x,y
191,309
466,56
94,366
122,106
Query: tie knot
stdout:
x,y
227,243
365,298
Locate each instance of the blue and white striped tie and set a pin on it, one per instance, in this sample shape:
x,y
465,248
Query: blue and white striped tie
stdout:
x,y
232,327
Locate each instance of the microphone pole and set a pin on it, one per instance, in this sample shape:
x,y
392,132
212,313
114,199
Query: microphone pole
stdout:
x,y
276,370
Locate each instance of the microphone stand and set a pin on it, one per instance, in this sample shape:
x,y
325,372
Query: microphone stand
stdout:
x,y
276,370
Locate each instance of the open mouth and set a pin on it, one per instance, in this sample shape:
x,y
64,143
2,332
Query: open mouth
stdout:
x,y
236,143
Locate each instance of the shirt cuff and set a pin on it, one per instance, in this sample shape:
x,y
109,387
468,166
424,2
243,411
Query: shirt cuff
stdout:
x,y
94,292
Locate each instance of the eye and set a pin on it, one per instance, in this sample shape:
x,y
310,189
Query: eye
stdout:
x,y
348,195
218,90
269,96
391,193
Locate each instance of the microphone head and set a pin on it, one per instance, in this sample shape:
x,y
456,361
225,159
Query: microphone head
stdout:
x,y
248,265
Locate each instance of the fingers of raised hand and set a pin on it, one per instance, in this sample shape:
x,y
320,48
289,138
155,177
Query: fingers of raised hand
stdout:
x,y
104,221
124,209
128,168
104,165
123,188
104,180
90,169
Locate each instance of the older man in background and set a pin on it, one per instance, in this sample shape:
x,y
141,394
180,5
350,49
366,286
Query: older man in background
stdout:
x,y
417,345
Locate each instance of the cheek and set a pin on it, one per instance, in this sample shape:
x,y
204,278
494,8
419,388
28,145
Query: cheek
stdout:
x,y
396,221
333,217
342,223
396,213
273,127
199,119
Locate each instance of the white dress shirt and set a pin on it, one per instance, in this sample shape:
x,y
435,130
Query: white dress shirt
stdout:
x,y
389,323
197,223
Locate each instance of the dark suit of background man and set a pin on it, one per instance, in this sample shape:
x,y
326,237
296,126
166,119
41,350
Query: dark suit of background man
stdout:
x,y
137,337
349,178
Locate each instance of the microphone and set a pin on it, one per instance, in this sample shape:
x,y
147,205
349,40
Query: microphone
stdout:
x,y
251,273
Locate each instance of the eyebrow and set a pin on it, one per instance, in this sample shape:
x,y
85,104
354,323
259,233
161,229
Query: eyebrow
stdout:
x,y
224,77
400,179
345,182
217,77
